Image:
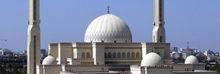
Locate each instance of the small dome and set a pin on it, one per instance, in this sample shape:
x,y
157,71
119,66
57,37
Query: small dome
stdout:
x,y
175,55
151,59
108,28
49,60
191,60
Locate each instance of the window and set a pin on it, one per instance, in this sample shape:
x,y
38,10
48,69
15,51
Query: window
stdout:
x,y
128,55
137,55
109,55
106,56
119,55
87,55
114,55
133,55
83,55
123,55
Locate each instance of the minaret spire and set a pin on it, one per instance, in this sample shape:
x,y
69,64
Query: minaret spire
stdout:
x,y
108,9
158,29
33,41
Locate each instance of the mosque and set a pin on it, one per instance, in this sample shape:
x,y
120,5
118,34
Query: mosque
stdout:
x,y
107,49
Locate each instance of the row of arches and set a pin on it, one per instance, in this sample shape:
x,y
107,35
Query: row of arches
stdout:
x,y
86,55
115,55
122,55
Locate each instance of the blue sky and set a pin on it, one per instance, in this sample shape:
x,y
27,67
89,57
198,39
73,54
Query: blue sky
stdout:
x,y
196,21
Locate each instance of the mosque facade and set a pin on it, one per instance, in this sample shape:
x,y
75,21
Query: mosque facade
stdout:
x,y
108,48
108,41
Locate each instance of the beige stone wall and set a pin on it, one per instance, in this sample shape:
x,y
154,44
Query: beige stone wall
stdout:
x,y
53,49
65,50
98,53
49,69
163,49
109,53
123,53
194,72
82,50
135,69
189,67
159,70
75,68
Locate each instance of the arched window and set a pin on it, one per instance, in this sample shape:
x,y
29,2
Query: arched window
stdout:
x,y
109,55
128,55
123,55
114,55
133,55
137,55
83,55
87,55
119,55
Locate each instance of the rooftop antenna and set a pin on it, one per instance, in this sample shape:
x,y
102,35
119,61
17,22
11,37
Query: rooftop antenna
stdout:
x,y
108,9
187,44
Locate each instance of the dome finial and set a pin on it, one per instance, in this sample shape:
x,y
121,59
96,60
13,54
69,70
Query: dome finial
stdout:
x,y
108,9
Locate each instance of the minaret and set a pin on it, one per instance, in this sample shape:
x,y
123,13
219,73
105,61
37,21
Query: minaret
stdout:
x,y
159,35
33,42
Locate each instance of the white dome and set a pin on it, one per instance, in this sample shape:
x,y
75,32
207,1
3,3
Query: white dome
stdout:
x,y
108,28
151,59
191,60
49,60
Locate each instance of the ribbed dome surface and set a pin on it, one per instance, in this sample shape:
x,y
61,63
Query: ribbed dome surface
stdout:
x,y
151,59
49,60
108,28
191,60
